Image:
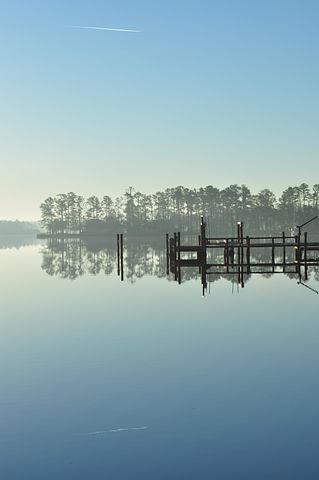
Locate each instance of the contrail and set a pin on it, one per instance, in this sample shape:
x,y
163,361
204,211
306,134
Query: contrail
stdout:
x,y
106,28
100,432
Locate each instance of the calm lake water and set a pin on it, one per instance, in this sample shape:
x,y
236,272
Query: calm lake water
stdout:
x,y
146,379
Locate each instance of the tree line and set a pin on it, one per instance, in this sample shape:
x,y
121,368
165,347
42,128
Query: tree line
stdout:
x,y
178,208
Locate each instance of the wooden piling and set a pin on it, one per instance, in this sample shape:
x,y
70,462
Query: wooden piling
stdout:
x,y
227,255
203,233
273,253
167,254
242,242
299,253
248,254
175,256
179,256
284,251
305,255
296,252
238,243
122,262
203,242
118,253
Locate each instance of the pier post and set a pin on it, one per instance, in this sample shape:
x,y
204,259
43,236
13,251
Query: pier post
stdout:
x,y
179,256
248,254
242,242
175,256
284,252
296,252
273,253
298,255
167,254
203,240
118,253
227,255
122,262
238,243
305,255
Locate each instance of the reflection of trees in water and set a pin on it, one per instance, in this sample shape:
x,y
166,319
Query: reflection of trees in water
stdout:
x,y
73,258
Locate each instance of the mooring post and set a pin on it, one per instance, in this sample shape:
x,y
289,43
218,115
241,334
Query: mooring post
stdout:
x,y
305,255
242,242
284,251
273,253
298,256
118,252
179,256
175,256
202,232
167,254
299,249
248,253
296,252
203,241
227,254
122,263
238,244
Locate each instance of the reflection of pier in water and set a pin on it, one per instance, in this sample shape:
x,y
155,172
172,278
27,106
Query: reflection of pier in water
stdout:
x,y
135,258
243,256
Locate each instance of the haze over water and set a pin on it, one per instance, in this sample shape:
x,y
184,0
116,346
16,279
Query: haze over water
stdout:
x,y
147,379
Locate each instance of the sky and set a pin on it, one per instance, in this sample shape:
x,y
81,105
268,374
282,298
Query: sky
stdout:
x,y
208,92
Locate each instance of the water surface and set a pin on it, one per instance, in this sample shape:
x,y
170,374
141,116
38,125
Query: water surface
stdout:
x,y
146,378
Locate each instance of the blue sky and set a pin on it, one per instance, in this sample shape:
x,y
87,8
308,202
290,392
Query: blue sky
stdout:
x,y
209,92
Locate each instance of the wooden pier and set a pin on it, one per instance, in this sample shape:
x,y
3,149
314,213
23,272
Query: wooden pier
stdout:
x,y
239,254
